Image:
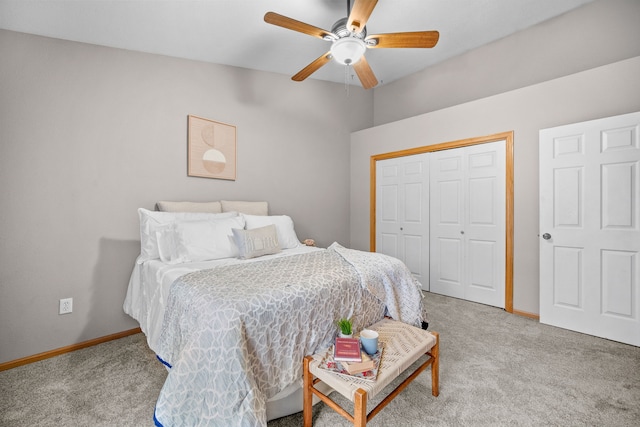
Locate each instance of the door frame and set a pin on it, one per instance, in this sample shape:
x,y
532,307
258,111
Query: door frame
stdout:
x,y
508,138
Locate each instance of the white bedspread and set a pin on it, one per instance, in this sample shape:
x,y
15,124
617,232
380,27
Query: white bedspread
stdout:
x,y
389,280
235,335
150,282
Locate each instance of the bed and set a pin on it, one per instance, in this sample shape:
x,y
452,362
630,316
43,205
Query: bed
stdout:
x,y
231,302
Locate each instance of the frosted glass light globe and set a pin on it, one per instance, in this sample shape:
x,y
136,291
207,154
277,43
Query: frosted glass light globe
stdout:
x,y
348,50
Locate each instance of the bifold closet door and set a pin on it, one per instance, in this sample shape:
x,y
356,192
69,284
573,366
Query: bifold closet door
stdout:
x,y
402,212
467,218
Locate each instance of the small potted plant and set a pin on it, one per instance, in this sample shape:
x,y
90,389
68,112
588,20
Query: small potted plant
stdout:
x,y
344,325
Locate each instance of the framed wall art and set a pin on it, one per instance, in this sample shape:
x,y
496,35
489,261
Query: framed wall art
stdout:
x,y
211,151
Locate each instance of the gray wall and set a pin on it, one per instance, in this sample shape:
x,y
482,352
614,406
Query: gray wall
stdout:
x,y
88,134
595,34
496,81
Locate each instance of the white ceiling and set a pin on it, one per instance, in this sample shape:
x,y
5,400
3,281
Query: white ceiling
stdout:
x,y
233,32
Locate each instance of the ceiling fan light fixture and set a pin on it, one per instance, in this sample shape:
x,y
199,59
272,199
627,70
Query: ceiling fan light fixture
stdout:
x,y
348,50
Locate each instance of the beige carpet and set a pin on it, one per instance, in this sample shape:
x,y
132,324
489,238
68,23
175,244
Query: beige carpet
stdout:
x,y
495,369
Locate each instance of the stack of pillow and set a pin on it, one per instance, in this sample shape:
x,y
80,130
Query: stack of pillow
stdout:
x,y
190,232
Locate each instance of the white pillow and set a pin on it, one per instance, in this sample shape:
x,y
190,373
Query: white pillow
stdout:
x,y
166,237
151,222
210,207
205,240
256,242
284,227
250,208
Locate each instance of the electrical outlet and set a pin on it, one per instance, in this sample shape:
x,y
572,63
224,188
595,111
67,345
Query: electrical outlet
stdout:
x,y
66,306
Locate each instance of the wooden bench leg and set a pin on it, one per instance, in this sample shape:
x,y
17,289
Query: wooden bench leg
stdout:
x,y
360,408
435,366
307,378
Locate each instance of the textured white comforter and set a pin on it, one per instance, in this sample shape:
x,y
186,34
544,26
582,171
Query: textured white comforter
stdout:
x,y
235,335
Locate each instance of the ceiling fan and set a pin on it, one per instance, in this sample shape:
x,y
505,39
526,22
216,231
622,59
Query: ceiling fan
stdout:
x,y
349,40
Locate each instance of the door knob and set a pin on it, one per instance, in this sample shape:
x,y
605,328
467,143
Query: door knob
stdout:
x,y
546,236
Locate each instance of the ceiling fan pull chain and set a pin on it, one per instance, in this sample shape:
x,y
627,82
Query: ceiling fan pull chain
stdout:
x,y
346,79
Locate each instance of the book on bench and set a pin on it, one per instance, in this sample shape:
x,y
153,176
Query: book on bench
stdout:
x,y
330,364
347,350
367,364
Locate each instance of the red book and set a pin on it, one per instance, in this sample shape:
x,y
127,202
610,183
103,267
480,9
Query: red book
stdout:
x,y
347,350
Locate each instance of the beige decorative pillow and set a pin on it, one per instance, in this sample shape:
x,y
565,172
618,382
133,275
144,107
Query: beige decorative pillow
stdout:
x,y
257,242
284,227
209,207
250,208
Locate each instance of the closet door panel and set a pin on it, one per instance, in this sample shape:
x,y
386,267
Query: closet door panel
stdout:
x,y
485,219
402,212
446,223
468,189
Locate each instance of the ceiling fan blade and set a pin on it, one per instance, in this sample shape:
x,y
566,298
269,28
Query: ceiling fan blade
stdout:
x,y
411,39
359,15
312,68
291,24
365,73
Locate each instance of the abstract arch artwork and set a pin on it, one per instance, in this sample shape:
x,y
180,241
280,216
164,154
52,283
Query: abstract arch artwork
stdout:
x,y
211,149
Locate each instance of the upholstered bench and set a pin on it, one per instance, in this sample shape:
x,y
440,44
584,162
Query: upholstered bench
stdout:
x,y
403,345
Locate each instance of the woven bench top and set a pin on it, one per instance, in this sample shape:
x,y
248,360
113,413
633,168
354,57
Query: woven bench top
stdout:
x,y
403,345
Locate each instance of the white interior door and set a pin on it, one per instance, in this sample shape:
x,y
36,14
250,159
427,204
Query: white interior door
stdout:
x,y
402,212
590,227
468,217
